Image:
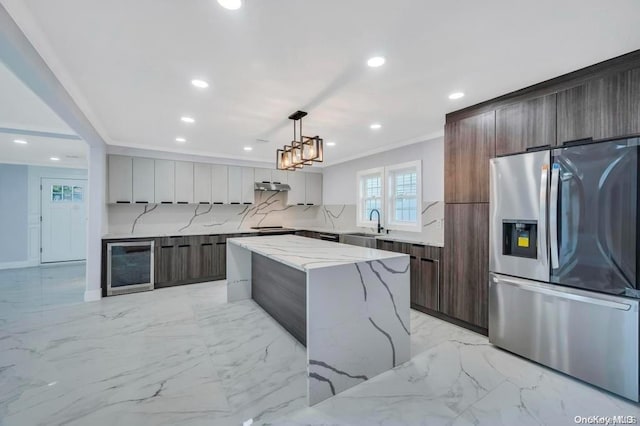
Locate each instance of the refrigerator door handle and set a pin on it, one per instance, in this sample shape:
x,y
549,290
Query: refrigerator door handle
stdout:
x,y
553,216
542,246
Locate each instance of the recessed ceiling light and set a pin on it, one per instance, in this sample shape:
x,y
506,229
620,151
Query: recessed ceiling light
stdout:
x,y
248,148
230,4
187,120
331,144
181,140
456,95
376,126
20,141
54,159
201,84
376,61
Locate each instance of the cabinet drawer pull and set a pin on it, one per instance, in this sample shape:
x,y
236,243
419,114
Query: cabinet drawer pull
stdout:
x,y
123,202
207,244
301,204
538,148
577,142
310,204
247,203
166,246
142,202
204,202
221,244
166,202
234,202
182,202
184,245
218,202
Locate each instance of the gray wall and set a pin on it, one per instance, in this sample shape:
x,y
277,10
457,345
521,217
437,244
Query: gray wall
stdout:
x,y
13,213
339,181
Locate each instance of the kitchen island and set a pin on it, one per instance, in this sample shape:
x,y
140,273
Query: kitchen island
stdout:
x,y
349,305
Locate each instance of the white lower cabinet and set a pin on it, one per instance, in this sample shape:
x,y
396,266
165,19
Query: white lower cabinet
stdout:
x,y
143,180
219,184
202,183
165,171
184,182
120,179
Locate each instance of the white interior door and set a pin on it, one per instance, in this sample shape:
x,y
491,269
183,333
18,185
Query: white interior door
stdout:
x,y
64,220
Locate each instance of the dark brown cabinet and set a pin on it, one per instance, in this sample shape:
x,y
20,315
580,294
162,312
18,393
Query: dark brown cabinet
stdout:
x,y
464,293
469,144
526,124
424,266
601,108
429,289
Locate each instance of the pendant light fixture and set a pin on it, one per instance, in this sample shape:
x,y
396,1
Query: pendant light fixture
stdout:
x,y
300,153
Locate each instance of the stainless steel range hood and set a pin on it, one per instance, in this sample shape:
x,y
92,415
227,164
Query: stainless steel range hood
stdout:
x,y
269,186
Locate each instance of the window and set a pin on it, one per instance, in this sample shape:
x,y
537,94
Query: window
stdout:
x,y
404,196
370,192
400,186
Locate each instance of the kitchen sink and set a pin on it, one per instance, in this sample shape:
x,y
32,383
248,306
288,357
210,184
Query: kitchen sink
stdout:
x,y
359,239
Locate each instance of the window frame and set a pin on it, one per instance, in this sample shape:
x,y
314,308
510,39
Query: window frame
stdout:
x,y
360,176
390,188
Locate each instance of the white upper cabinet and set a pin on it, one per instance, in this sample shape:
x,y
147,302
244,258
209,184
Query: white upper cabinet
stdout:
x,y
235,185
120,179
297,182
279,176
184,182
164,181
202,183
313,193
248,185
262,175
219,184
143,180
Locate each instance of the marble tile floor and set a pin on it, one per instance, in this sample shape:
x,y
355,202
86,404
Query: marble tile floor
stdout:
x,y
184,356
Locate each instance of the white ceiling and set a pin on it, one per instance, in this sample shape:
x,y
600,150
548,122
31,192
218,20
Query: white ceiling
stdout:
x,y
23,112
132,61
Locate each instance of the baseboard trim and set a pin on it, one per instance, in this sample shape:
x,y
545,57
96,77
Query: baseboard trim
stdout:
x,y
92,295
20,264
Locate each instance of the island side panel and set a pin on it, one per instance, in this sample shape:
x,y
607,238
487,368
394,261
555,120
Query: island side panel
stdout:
x,y
238,273
357,324
281,291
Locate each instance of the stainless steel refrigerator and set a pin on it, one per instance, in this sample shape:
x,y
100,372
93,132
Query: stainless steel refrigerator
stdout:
x,y
563,287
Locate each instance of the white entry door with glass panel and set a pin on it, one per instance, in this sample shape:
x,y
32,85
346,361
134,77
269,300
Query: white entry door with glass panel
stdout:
x,y
64,220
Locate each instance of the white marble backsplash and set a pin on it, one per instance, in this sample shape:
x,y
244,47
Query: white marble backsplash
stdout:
x,y
270,209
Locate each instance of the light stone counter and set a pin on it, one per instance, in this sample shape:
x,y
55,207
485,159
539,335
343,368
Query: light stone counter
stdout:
x,y
357,305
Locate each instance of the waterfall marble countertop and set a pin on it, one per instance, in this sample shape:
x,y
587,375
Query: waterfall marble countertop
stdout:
x,y
305,254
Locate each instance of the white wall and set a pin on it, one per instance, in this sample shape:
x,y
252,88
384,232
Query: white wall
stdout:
x,y
339,181
97,223
13,216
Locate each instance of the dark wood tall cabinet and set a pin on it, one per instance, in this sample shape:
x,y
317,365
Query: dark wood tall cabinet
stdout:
x,y
526,124
598,102
466,263
469,144
601,108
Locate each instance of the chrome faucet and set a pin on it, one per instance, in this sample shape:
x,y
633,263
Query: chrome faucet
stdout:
x,y
380,228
